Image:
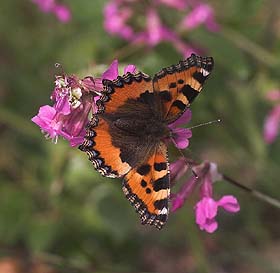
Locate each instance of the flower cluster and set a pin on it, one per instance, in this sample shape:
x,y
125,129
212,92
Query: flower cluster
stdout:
x,y
206,208
74,99
272,121
124,18
62,12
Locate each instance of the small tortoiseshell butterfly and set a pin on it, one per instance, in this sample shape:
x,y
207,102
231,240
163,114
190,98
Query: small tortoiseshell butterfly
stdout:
x,y
127,136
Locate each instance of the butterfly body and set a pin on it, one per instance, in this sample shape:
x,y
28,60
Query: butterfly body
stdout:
x,y
127,136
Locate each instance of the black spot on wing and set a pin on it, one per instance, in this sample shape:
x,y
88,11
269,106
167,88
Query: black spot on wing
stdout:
x,y
165,95
160,204
189,92
160,166
146,97
148,191
143,183
144,169
172,85
179,104
180,81
161,183
199,77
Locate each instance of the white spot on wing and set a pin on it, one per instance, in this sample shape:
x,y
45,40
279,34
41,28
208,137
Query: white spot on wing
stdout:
x,y
163,211
204,72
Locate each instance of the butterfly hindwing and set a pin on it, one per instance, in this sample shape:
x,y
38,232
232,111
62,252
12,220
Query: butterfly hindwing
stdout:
x,y
147,187
178,85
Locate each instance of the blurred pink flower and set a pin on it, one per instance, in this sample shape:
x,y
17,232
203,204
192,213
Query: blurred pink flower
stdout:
x,y
177,4
272,121
115,21
121,19
62,12
272,124
201,14
45,5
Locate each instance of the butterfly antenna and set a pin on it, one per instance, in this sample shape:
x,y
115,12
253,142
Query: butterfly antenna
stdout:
x,y
186,161
205,123
58,65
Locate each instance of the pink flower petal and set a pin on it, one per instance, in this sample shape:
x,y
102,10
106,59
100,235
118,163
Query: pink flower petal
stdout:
x,y
178,169
273,95
177,4
206,208
153,27
229,203
62,13
186,190
210,225
62,105
130,68
112,72
201,14
45,116
181,136
182,120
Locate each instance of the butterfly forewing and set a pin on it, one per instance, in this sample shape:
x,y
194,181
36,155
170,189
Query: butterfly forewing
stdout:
x,y
178,85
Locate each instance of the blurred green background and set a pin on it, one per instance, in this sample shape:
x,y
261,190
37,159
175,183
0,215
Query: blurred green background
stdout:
x,y
58,213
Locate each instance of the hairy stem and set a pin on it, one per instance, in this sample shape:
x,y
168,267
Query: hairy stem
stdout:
x,y
259,195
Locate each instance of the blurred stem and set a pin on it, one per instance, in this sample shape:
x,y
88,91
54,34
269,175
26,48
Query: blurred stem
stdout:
x,y
17,122
197,247
259,195
125,51
253,49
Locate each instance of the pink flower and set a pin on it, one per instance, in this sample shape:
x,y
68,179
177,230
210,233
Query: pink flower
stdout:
x,y
177,4
201,14
70,126
144,24
115,20
74,99
272,121
207,208
48,122
181,135
271,124
45,6
62,12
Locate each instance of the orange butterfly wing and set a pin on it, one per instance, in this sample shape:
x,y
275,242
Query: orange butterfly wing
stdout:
x,y
147,187
180,84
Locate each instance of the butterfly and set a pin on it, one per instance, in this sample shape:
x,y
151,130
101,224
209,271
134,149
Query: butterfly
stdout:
x,y
126,138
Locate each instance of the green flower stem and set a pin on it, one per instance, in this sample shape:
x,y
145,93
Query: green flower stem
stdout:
x,y
259,195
